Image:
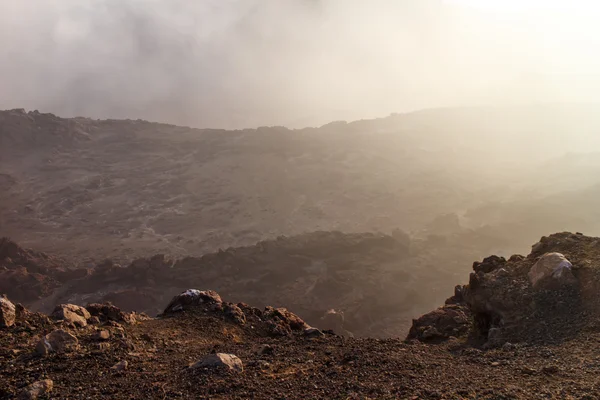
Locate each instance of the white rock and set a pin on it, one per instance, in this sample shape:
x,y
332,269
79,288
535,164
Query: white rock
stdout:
x,y
554,265
224,361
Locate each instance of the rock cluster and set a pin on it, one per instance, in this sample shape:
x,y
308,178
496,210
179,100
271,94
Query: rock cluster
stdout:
x,y
275,321
522,298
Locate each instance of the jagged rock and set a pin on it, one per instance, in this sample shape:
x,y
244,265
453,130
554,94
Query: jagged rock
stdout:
x,y
71,313
7,313
313,333
43,347
516,257
551,269
234,313
440,324
489,264
285,317
194,298
228,362
108,312
36,389
56,341
120,366
458,297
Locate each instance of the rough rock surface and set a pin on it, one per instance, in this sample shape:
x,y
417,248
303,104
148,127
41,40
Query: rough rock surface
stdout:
x,y
109,312
227,362
7,313
193,298
443,323
547,296
71,313
234,313
58,341
550,270
36,389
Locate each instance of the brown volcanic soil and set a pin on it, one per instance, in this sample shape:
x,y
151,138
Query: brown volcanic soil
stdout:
x,y
554,355
159,351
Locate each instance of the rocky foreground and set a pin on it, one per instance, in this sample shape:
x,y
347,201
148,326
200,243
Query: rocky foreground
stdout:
x,y
522,328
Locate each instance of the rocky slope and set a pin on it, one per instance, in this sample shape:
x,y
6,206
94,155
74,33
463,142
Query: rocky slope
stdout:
x,y
86,188
204,347
377,282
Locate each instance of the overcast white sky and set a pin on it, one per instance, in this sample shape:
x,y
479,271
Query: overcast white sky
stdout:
x,y
245,63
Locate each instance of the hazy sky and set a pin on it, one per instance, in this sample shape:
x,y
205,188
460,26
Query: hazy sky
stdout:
x,y
244,63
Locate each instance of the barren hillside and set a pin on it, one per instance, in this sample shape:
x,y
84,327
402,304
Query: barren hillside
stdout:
x,y
91,188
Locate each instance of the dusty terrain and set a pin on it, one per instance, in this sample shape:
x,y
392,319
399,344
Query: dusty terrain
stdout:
x,y
91,189
554,355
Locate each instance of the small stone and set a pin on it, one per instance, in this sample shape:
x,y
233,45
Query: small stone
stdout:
x,y
56,341
551,369
528,371
313,333
262,364
102,335
120,366
509,346
266,349
103,346
36,389
147,338
495,364
228,362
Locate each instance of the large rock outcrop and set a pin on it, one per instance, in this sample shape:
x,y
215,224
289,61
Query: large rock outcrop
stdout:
x,y
546,296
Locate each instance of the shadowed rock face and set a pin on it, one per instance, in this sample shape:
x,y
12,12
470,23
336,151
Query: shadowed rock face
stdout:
x,y
540,298
375,282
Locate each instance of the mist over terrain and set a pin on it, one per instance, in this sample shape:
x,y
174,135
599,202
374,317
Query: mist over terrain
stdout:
x,y
324,199
297,63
